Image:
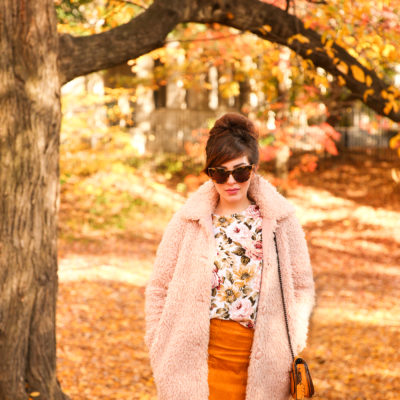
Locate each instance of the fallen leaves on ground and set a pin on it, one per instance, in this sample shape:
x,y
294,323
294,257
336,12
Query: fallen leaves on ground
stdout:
x,y
354,332
101,354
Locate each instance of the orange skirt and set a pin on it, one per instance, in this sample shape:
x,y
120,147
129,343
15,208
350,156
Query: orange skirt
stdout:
x,y
228,359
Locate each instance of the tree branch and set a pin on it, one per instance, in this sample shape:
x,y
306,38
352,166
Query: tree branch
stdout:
x,y
79,56
83,55
276,25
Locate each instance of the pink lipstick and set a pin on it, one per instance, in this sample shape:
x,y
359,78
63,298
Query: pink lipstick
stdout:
x,y
232,191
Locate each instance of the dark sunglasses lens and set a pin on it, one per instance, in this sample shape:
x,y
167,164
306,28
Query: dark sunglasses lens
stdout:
x,y
242,174
219,175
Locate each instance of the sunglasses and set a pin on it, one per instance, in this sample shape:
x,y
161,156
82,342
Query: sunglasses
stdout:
x,y
240,174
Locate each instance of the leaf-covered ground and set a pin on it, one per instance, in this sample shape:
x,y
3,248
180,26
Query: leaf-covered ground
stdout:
x,y
350,212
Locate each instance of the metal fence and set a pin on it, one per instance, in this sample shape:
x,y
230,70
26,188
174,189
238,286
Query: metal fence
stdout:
x,y
353,140
171,128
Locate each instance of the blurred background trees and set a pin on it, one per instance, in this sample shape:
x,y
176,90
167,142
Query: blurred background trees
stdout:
x,y
167,100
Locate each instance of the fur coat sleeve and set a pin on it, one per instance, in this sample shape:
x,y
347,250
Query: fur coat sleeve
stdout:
x,y
303,282
163,268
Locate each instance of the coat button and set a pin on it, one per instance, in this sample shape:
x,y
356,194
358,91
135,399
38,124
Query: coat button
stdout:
x,y
258,354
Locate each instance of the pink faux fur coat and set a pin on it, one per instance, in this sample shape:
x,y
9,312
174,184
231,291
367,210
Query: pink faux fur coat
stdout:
x,y
178,294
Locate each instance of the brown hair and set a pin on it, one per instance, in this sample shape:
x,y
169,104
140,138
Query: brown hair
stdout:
x,y
232,136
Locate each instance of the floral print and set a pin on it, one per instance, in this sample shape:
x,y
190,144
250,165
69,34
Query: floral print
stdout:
x,y
238,266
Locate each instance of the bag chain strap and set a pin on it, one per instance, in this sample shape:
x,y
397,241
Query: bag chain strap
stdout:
x,y
283,299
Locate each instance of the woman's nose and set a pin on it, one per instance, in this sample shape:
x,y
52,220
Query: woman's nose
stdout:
x,y
231,179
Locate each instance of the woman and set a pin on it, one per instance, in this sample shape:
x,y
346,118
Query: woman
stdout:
x,y
215,326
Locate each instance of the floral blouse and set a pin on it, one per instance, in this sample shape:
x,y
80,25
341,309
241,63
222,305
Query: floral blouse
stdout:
x,y
238,266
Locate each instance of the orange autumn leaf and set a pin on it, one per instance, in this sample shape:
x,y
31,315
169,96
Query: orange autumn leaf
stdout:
x,y
358,73
367,93
343,67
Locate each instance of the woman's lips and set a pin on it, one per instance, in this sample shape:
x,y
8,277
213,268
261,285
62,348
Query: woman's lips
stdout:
x,y
232,191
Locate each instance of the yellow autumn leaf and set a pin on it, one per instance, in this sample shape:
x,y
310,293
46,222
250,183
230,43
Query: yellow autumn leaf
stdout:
x,y
267,28
353,53
35,394
367,93
340,42
329,43
394,142
343,68
262,30
307,24
341,80
388,107
363,61
310,63
368,80
375,48
330,53
395,91
388,49
358,73
308,52
384,94
230,15
299,37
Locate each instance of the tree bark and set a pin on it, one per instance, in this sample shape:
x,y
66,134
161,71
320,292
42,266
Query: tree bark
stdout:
x,y
79,56
29,126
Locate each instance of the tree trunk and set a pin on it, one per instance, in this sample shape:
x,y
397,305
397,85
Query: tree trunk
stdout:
x,y
29,139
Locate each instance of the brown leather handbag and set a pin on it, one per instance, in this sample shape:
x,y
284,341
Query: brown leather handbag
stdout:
x,y
301,384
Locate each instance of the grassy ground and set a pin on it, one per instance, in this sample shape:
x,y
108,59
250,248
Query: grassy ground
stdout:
x,y
111,220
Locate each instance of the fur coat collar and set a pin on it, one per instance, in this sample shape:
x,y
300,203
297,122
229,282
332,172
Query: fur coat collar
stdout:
x,y
202,203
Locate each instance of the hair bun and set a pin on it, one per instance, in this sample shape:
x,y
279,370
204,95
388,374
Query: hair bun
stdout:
x,y
234,123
